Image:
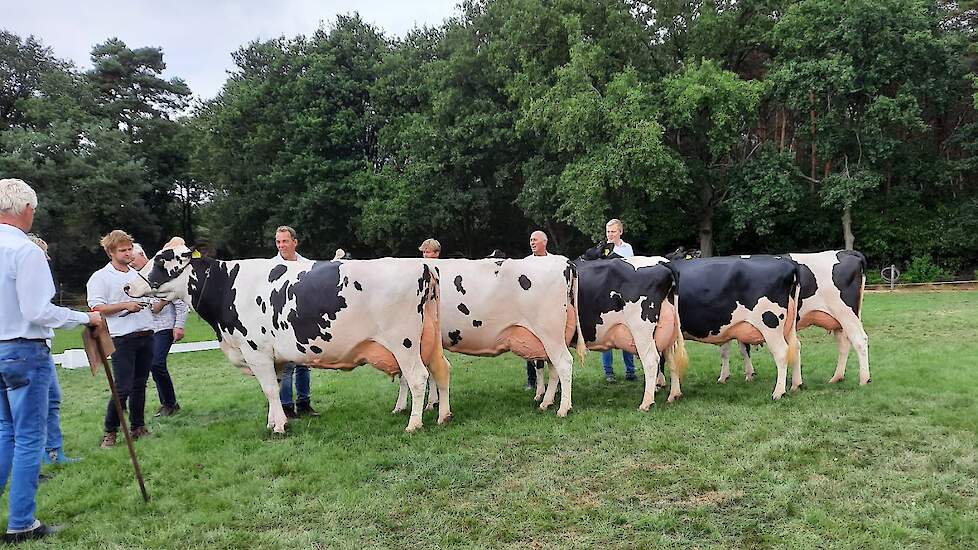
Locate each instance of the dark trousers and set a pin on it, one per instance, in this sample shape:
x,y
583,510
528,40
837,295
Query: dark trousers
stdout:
x,y
162,341
531,371
130,367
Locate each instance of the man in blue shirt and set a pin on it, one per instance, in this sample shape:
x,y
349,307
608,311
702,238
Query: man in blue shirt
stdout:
x,y
27,320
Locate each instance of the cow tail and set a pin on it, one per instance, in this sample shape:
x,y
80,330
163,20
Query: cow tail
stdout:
x,y
438,359
680,358
793,335
581,347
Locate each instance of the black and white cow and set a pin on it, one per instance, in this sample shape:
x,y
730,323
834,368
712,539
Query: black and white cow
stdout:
x,y
332,315
629,304
831,297
751,299
526,306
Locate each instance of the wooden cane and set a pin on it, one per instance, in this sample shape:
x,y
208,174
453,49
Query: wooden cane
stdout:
x,y
120,412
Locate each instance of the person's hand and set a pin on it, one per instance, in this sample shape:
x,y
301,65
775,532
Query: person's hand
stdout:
x,y
95,319
133,307
158,306
177,334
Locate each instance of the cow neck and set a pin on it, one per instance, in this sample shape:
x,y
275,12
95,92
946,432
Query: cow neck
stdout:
x,y
202,270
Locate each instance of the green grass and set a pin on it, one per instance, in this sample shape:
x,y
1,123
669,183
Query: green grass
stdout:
x,y
890,465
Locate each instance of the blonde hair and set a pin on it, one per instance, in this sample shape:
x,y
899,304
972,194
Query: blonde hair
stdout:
x,y
431,244
616,221
114,239
40,244
287,229
15,196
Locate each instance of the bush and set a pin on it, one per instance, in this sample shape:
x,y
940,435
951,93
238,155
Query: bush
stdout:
x,y
922,269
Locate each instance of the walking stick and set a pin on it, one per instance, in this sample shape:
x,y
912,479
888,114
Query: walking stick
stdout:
x,y
98,343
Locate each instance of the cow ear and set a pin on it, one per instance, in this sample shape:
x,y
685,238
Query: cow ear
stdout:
x,y
196,255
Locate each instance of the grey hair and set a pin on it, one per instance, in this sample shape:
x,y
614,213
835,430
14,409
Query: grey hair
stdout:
x,y
542,235
138,249
15,196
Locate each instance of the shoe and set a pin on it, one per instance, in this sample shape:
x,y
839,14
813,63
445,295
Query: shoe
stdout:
x,y
38,532
41,478
57,456
108,440
167,410
290,411
631,377
610,379
141,431
303,408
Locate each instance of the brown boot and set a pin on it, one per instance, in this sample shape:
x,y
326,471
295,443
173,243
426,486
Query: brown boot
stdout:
x,y
108,440
140,432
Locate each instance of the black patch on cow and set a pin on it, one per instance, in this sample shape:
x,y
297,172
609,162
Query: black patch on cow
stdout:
x,y
525,282
711,288
300,347
264,330
608,285
455,336
316,294
458,284
277,272
770,319
781,316
253,345
463,309
356,285
847,276
499,262
316,349
346,282
258,300
407,343
211,288
476,323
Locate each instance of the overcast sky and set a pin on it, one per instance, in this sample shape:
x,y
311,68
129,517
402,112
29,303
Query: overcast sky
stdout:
x,y
198,36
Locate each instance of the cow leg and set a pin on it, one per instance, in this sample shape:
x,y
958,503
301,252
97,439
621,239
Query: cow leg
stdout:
x,y
649,355
675,392
402,393
264,371
552,381
564,371
796,382
432,396
440,369
748,364
860,341
842,343
778,346
660,379
724,363
416,375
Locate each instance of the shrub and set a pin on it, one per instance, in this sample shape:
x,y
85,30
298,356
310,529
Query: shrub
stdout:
x,y
922,269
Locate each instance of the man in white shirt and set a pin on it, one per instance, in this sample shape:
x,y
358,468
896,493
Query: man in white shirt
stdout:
x,y
169,319
613,231
131,327
27,320
286,242
538,247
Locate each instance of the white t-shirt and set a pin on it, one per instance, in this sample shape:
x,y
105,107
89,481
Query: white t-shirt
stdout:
x,y
624,250
298,258
105,287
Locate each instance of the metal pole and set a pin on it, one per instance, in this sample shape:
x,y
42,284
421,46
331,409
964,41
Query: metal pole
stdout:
x,y
122,418
892,276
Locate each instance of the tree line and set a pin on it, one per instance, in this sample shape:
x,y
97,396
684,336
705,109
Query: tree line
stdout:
x,y
727,125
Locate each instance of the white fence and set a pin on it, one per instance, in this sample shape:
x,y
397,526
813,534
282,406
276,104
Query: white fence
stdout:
x,y
76,358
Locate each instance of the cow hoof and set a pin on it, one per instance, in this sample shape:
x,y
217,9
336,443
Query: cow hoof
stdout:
x,y
777,395
797,388
722,380
868,380
430,407
674,397
749,377
442,420
538,398
545,406
645,408
398,411
562,413
836,379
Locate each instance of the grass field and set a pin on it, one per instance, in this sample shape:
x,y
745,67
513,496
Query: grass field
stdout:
x,y
890,465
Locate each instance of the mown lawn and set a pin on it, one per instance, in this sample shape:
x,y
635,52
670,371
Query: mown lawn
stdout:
x,y
890,465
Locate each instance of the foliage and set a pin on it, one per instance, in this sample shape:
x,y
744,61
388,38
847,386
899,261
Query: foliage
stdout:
x,y
922,269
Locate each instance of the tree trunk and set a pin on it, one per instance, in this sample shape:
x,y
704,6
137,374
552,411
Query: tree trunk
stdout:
x,y
706,220
847,227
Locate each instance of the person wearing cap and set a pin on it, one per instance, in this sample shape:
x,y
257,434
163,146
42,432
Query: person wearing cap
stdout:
x,y
27,323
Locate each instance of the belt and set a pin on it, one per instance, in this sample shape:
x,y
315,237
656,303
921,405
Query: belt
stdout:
x,y
134,335
25,341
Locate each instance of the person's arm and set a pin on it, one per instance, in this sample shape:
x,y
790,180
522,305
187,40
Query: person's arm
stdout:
x,y
35,288
98,297
181,310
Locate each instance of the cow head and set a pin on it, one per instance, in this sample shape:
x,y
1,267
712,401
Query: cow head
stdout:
x,y
165,276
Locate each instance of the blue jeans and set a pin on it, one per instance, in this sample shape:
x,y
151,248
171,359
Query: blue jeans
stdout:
x,y
54,439
162,341
301,384
607,358
25,374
